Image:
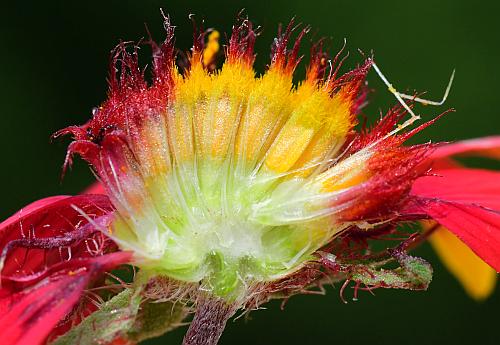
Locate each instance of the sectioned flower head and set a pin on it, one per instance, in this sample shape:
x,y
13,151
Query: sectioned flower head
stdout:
x,y
225,189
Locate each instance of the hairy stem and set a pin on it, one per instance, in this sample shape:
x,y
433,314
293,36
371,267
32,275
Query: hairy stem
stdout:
x,y
209,321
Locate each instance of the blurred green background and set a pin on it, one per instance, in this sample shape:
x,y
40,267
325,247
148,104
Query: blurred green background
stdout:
x,y
53,63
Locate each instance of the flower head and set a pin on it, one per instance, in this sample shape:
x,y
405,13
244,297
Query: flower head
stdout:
x,y
230,178
227,188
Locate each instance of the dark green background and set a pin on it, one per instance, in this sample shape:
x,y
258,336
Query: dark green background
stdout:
x,y
53,65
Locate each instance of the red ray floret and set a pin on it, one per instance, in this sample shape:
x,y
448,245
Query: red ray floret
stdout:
x,y
48,225
28,317
466,202
51,251
487,147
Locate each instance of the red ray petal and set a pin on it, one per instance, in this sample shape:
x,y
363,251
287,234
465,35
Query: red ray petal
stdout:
x,y
55,226
462,185
95,188
25,211
487,147
28,317
43,242
466,202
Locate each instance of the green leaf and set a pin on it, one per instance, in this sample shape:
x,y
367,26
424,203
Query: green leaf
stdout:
x,y
128,317
413,274
113,318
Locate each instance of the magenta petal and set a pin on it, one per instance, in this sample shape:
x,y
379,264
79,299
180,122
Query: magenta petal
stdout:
x,y
466,202
487,147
